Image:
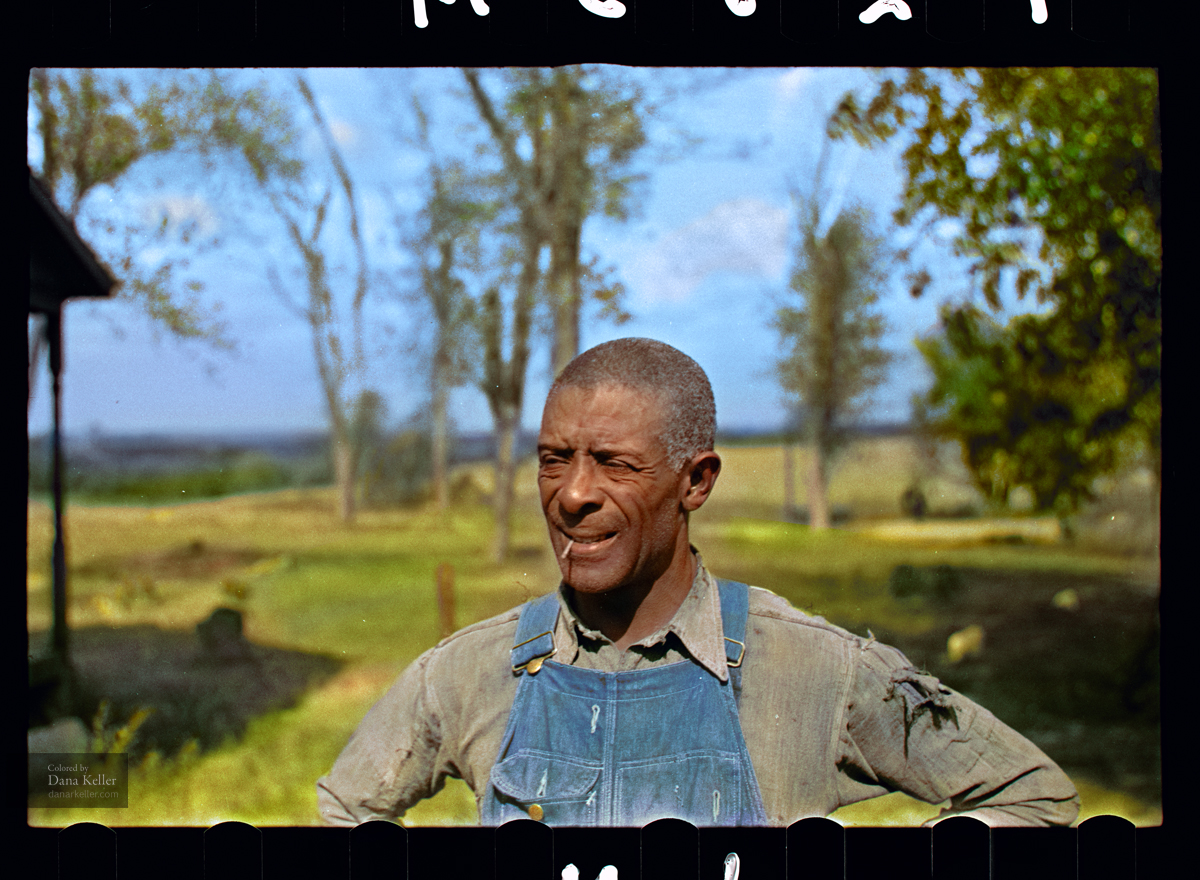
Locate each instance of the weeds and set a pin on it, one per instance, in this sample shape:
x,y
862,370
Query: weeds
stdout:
x,y
108,740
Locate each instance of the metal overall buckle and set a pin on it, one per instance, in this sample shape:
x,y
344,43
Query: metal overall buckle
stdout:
x,y
532,666
741,652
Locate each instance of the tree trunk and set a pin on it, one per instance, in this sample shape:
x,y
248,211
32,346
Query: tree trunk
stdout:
x,y
566,208
507,400
506,430
441,448
343,470
442,296
504,381
823,395
818,496
564,279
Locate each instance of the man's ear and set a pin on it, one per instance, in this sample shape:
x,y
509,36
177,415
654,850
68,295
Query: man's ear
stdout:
x,y
702,474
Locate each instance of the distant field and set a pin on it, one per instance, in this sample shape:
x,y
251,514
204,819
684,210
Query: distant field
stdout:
x,y
867,480
363,595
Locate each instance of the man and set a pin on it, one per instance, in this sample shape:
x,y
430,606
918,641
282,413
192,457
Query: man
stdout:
x,y
646,688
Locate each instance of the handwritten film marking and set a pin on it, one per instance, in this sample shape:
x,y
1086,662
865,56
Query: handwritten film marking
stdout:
x,y
616,9
733,866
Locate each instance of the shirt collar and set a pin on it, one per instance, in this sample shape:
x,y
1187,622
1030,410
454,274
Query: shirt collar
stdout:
x,y
697,624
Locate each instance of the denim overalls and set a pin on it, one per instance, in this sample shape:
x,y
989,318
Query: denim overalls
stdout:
x,y
584,747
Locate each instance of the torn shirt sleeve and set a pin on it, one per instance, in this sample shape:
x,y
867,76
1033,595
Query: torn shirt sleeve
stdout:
x,y
906,731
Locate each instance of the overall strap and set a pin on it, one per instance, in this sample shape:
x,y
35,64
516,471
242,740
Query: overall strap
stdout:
x,y
535,631
735,610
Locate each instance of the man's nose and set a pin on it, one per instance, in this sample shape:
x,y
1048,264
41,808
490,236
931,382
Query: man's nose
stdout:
x,y
580,488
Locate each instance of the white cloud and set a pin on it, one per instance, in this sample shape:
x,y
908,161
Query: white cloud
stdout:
x,y
789,84
746,236
343,133
180,212
791,95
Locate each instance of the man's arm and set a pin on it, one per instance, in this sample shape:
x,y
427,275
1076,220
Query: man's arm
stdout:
x,y
393,759
908,732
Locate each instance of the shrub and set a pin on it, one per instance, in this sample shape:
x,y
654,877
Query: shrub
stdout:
x,y
941,583
400,472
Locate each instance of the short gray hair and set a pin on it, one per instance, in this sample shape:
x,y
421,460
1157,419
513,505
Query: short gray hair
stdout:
x,y
650,366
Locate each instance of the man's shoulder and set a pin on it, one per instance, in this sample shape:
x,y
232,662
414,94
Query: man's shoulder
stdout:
x,y
796,626
779,612
494,633
473,655
498,630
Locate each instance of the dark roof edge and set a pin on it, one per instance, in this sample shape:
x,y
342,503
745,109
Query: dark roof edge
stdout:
x,y
97,271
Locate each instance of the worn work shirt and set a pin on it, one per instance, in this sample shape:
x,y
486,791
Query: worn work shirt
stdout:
x,y
829,719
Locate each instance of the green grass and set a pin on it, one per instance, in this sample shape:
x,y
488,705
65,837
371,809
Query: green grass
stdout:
x,y
365,594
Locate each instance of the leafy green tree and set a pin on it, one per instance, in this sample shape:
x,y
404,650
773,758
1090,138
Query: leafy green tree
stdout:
x,y
831,334
1053,178
95,127
1019,423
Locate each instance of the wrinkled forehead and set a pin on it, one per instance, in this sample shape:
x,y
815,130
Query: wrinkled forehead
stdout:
x,y
608,417
576,395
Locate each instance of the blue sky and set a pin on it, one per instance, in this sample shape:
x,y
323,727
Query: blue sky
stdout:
x,y
704,261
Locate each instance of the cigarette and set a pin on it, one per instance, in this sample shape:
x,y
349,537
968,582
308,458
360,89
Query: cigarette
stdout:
x,y
567,549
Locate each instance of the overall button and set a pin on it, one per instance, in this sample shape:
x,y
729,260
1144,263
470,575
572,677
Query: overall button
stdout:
x,y
536,812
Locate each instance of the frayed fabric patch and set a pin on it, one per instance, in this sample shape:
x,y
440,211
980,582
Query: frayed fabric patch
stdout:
x,y
922,694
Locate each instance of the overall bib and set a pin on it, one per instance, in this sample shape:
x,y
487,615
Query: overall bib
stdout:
x,y
584,747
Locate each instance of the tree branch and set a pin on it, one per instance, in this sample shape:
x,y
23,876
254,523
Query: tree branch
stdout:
x,y
528,191
335,156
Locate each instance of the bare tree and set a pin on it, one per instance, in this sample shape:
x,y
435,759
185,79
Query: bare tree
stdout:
x,y
551,192
446,242
580,141
503,380
831,336
338,364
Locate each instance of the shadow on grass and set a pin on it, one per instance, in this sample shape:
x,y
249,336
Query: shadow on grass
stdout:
x,y
194,694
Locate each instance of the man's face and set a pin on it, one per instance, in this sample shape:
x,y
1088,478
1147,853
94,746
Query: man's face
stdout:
x,y
607,486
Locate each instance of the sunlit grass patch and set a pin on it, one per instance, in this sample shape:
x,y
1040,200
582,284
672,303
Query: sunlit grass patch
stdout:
x,y
269,776
895,809
1097,800
453,805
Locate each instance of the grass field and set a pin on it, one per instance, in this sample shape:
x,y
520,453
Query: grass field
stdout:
x,y
1079,678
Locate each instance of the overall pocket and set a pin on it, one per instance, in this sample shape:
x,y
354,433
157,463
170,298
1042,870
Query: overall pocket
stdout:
x,y
701,787
565,790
